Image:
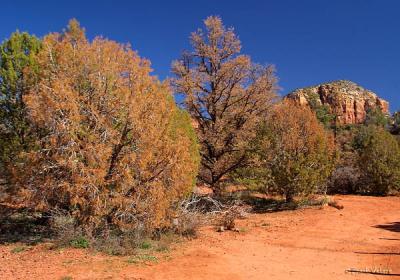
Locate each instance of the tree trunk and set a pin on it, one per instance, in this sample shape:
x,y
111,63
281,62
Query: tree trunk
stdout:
x,y
289,196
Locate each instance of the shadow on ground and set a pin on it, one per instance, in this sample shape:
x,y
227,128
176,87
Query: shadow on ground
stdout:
x,y
378,253
22,226
261,205
269,205
395,226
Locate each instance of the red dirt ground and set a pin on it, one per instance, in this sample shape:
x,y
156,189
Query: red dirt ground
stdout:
x,y
302,244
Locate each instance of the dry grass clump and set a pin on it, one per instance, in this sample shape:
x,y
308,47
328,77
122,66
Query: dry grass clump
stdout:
x,y
323,201
333,203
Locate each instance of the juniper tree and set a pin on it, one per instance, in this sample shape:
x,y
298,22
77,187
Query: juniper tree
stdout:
x,y
292,154
116,151
17,53
226,95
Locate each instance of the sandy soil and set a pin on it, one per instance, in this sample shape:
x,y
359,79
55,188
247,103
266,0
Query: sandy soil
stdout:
x,y
301,244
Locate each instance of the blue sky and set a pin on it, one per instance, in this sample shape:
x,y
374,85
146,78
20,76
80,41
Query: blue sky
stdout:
x,y
309,41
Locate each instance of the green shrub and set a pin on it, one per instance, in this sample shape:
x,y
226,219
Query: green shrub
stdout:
x,y
376,117
292,155
145,245
322,111
379,160
80,242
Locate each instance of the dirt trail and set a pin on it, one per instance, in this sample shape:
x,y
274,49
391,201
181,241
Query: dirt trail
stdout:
x,y
301,244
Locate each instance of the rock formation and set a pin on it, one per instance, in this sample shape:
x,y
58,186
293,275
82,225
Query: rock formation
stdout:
x,y
348,101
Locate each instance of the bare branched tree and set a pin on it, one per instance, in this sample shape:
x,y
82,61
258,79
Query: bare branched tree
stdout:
x,y
226,95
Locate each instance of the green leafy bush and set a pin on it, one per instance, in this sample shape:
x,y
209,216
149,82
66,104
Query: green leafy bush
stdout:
x,y
379,160
292,155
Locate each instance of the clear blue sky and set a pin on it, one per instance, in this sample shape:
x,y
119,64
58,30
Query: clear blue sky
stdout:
x,y
309,41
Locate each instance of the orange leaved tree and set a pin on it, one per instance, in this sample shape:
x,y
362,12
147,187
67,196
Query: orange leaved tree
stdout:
x,y
114,151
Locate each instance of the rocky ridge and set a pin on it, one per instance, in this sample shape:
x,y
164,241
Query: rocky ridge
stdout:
x,y
348,101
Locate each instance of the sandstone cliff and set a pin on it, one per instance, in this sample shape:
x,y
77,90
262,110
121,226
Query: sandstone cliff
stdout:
x,y
348,101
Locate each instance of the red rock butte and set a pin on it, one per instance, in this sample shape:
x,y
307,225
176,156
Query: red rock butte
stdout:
x,y
347,100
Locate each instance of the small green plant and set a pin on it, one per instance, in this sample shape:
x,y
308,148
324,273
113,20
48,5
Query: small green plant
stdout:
x,y
80,242
145,245
19,249
66,278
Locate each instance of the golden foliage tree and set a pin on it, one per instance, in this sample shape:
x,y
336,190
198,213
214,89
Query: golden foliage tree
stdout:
x,y
115,150
226,94
293,154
